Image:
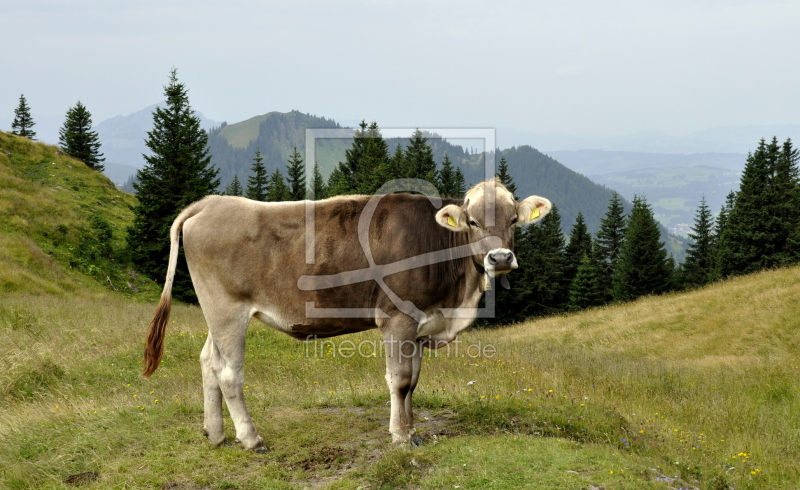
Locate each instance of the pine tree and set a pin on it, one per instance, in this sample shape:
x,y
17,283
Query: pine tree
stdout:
x,y
505,178
234,188
296,176
544,290
580,244
722,217
418,158
376,167
338,183
398,160
278,190
786,199
318,183
750,239
258,183
460,186
176,174
643,266
610,238
586,290
77,139
446,181
367,164
699,265
23,122
719,227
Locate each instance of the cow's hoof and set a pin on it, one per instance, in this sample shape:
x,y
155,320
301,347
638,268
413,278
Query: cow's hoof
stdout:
x,y
416,441
259,447
226,443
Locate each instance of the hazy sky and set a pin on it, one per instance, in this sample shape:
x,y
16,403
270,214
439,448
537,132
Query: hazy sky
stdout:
x,y
588,68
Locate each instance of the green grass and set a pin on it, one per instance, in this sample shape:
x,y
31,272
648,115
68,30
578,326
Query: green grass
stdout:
x,y
53,213
239,135
701,386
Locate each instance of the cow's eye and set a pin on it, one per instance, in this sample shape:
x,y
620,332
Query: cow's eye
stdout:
x,y
473,223
514,220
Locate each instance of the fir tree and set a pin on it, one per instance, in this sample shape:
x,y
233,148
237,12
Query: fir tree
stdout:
x,y
610,238
176,174
643,266
505,178
786,192
580,244
398,160
750,240
338,183
543,287
377,167
234,188
446,182
418,159
296,176
23,122
460,186
586,290
699,265
258,183
367,164
722,217
318,183
719,227
77,139
278,190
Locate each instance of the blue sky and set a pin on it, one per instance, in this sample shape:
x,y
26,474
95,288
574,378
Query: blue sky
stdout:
x,y
578,67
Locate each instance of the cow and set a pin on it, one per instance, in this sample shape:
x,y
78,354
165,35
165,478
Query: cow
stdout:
x,y
410,265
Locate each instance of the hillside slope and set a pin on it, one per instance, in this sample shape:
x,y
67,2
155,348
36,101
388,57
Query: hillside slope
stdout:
x,y
62,224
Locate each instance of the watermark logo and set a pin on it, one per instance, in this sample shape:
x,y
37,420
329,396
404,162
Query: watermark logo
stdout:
x,y
316,348
376,272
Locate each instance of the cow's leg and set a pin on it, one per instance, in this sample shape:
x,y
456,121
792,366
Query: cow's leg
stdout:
x,y
227,329
416,366
212,395
401,352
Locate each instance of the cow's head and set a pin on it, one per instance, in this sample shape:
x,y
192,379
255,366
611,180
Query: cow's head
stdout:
x,y
471,218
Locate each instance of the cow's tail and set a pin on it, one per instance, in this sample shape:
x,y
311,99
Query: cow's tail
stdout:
x,y
154,345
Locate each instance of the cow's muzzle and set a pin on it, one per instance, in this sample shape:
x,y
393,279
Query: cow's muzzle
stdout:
x,y
500,261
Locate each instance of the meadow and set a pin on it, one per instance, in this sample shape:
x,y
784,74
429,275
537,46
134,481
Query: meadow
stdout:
x,y
689,390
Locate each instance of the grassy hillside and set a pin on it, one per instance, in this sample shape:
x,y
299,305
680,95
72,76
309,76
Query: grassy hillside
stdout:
x,y
691,390
62,224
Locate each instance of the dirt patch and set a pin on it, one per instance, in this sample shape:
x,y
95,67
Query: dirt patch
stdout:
x,y
84,478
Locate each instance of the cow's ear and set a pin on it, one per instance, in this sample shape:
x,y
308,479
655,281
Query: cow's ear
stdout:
x,y
532,209
452,218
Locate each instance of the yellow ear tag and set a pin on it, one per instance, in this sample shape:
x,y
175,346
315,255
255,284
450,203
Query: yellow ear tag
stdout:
x,y
451,221
535,213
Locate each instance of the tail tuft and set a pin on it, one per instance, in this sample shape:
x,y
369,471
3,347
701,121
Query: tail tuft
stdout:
x,y
154,345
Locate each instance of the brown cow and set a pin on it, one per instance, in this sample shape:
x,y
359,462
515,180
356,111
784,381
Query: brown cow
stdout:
x,y
390,262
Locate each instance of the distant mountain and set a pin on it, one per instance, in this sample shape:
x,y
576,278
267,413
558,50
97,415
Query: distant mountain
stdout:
x,y
122,141
723,139
672,183
537,173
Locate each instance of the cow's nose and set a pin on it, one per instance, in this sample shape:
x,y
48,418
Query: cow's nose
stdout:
x,y
502,260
